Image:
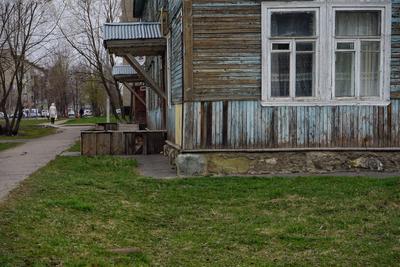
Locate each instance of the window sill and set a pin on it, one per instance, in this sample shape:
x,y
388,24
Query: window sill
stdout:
x,y
325,103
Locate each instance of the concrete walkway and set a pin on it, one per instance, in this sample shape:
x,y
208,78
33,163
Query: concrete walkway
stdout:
x,y
18,163
155,166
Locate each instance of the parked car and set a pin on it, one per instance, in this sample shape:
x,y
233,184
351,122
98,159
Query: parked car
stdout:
x,y
33,113
12,115
87,113
1,115
26,113
44,113
71,113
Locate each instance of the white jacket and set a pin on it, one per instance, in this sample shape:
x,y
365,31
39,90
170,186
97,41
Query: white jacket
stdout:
x,y
53,111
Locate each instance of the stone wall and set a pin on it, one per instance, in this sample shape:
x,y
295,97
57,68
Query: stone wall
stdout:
x,y
200,164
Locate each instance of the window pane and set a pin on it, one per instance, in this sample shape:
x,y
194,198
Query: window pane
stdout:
x,y
370,63
345,46
305,69
280,74
293,24
305,46
358,23
344,81
280,47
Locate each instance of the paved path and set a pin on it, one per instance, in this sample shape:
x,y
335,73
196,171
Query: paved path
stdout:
x,y
18,163
15,141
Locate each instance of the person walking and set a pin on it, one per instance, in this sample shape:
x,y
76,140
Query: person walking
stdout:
x,y
53,112
81,112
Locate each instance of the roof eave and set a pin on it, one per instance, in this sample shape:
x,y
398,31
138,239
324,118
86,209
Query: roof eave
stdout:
x,y
146,47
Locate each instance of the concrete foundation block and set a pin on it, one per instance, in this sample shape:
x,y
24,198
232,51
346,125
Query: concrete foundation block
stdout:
x,y
188,165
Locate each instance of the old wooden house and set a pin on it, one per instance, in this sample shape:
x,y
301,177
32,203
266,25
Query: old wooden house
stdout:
x,y
252,87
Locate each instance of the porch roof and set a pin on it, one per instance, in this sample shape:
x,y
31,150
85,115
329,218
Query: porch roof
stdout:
x,y
135,38
125,73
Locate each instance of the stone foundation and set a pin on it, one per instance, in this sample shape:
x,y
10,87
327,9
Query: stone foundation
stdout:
x,y
200,164
171,153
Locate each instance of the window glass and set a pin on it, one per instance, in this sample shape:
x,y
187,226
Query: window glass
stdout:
x,y
358,23
345,46
370,63
280,74
305,69
293,24
345,71
276,47
304,46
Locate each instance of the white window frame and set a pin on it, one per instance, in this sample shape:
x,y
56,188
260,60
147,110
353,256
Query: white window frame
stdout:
x,y
325,48
357,49
268,41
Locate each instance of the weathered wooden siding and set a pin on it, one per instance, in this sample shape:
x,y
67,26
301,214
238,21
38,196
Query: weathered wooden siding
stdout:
x,y
171,123
226,112
152,9
395,74
248,125
154,119
153,101
154,67
176,56
226,50
174,7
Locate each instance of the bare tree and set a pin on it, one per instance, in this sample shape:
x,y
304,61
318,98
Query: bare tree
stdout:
x,y
24,26
85,36
59,82
87,89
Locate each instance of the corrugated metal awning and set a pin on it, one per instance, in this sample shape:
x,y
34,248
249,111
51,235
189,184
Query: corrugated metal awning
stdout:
x,y
134,38
132,31
123,70
125,73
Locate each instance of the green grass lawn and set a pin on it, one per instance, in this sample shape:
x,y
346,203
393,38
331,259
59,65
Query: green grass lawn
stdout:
x,y
29,129
76,147
89,120
4,146
72,212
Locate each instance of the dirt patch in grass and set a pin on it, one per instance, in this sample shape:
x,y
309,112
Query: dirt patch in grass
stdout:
x,y
98,212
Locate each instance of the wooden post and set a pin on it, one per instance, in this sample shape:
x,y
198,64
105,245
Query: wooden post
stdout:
x,y
132,90
132,112
153,85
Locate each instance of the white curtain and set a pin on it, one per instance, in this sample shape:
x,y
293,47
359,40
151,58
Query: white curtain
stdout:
x,y
358,23
345,69
370,65
355,24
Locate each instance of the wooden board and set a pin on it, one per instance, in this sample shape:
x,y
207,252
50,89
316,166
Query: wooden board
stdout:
x,y
248,125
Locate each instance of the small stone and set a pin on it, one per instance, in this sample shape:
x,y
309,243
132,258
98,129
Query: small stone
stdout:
x,y
271,161
367,163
